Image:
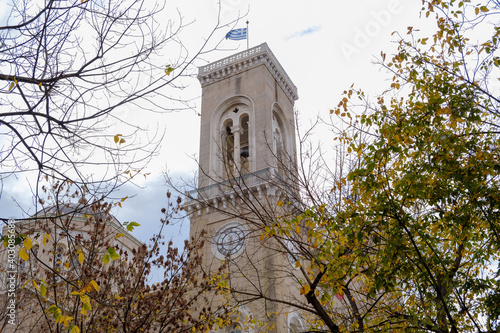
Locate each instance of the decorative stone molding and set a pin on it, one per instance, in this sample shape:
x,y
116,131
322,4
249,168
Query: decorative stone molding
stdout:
x,y
256,186
244,60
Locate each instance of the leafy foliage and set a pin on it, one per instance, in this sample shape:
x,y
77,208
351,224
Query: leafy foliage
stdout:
x,y
414,241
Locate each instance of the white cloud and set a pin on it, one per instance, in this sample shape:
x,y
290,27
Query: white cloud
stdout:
x,y
304,32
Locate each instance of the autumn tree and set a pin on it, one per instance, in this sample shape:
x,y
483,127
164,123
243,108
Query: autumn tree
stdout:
x,y
69,74
80,270
70,71
425,195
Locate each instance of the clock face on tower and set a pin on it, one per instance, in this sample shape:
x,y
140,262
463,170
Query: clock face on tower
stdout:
x,y
229,240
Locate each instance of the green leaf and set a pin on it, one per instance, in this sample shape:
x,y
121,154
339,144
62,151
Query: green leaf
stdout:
x,y
55,311
168,69
105,259
112,253
132,225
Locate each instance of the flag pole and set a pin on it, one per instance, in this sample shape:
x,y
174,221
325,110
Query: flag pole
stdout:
x,y
248,36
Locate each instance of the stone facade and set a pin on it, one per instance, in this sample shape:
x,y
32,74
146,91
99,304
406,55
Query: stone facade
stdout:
x,y
59,235
247,128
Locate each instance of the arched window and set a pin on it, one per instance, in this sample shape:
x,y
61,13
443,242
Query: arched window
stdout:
x,y
244,145
228,149
279,145
235,141
232,140
295,324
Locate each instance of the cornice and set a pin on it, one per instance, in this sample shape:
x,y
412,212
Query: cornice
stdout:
x,y
253,186
243,61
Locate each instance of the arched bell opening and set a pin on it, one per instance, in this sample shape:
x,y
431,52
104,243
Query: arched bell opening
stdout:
x,y
227,149
244,145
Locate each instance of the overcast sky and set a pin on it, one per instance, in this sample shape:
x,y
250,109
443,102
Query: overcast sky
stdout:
x,y
324,46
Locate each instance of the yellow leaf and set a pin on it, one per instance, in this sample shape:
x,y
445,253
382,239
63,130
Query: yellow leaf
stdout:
x,y
122,141
25,283
75,329
118,297
119,235
83,311
46,237
43,290
95,285
23,255
35,285
12,86
86,289
297,229
28,244
305,289
85,299
117,138
297,264
81,257
66,265
75,293
67,320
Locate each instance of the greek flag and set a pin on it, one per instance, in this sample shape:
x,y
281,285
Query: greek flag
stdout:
x,y
237,34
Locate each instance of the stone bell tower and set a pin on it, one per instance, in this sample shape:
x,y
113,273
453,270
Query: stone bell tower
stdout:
x,y
247,147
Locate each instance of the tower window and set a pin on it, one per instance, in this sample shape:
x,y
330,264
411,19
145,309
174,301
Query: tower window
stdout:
x,y
235,142
244,145
279,146
228,150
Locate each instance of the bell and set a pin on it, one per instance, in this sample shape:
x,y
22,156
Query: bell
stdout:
x,y
244,152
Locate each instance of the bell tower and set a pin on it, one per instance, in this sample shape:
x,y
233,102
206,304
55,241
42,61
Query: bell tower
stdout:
x,y
247,147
